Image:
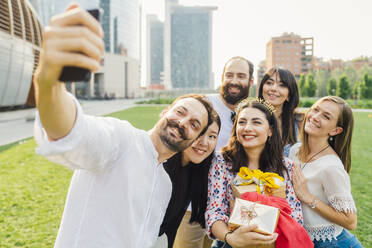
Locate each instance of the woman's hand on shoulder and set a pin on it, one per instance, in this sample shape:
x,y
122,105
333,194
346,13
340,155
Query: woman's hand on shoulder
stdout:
x,y
300,185
244,236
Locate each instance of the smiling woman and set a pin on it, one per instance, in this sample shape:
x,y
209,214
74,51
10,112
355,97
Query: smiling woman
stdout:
x,y
321,181
279,88
255,143
188,171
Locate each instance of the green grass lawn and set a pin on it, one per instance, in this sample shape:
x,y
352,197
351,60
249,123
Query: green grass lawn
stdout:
x,y
33,190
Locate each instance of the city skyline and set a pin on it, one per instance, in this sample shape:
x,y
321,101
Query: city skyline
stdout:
x,y
188,46
120,22
339,28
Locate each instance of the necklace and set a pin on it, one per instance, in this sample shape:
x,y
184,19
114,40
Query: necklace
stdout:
x,y
303,166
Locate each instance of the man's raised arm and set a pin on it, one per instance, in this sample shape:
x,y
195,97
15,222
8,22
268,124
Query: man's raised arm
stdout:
x,y
73,38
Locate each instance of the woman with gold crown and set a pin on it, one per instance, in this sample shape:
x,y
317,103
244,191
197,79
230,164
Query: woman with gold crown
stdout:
x,y
255,143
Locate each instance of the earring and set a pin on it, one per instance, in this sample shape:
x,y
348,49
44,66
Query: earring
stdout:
x,y
331,138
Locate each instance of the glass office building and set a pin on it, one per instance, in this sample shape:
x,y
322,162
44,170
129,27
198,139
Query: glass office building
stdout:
x,y
120,22
188,46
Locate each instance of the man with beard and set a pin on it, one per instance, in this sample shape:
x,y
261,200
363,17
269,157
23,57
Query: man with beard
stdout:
x,y
237,77
119,191
236,80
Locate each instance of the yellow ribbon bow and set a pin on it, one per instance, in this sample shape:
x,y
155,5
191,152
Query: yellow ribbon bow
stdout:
x,y
266,181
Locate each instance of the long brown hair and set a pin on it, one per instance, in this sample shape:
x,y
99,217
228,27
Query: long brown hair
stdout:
x,y
271,157
341,143
289,115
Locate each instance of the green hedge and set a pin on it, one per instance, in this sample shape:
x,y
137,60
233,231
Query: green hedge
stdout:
x,y
304,102
157,101
360,104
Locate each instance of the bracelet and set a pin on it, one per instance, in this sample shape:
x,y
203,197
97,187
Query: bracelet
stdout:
x,y
313,204
229,232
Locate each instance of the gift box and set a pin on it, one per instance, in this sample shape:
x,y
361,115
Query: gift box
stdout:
x,y
267,183
248,213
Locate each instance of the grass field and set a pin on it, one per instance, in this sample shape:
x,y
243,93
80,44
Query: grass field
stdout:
x,y
33,190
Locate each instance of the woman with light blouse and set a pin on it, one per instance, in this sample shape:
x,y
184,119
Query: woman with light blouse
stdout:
x,y
321,178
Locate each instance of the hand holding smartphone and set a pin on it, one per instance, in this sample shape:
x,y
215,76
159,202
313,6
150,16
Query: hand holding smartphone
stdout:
x,y
76,74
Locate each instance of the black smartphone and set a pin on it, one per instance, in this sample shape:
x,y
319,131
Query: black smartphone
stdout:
x,y
76,74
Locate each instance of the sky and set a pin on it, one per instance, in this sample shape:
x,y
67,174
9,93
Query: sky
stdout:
x,y
341,28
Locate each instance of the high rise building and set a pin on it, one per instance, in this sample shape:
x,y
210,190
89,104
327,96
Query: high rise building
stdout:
x,y
49,8
188,46
120,22
20,40
291,52
155,50
120,75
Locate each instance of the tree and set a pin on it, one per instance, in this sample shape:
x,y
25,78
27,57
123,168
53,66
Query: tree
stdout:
x,y
364,70
301,85
351,74
322,78
343,87
357,89
331,87
310,85
367,87
337,73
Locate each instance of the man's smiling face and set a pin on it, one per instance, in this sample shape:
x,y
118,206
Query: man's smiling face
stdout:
x,y
235,81
183,123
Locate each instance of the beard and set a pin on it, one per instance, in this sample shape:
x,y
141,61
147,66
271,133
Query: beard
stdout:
x,y
171,142
233,99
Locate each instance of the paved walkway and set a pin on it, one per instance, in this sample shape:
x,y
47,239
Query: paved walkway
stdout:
x,y
18,125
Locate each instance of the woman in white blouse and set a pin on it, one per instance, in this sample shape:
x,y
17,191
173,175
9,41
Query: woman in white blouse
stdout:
x,y
321,179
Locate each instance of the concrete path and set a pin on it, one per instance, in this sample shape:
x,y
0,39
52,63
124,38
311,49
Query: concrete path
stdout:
x,y
18,125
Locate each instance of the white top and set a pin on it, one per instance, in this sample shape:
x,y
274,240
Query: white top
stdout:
x,y
225,115
330,183
118,193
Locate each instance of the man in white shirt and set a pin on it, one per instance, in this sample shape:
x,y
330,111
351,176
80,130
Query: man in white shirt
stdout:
x,y
237,77
119,191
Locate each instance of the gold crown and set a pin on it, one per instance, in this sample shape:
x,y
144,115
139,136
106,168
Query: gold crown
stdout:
x,y
267,105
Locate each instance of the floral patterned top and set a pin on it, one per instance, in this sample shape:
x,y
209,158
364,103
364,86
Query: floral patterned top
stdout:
x,y
220,193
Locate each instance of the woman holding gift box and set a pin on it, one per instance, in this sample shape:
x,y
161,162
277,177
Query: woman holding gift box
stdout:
x,y
255,142
188,171
321,178
279,87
